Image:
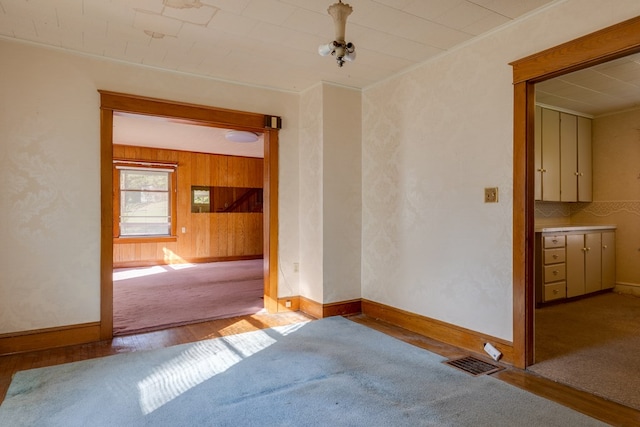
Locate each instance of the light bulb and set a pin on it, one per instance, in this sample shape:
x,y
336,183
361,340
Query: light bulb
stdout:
x,y
350,56
325,49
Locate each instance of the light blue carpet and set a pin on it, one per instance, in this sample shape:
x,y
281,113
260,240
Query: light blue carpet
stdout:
x,y
330,372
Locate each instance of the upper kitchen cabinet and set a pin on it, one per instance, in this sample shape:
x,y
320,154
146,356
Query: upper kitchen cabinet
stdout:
x,y
563,171
547,155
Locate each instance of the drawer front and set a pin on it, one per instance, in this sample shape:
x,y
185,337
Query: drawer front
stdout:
x,y
555,291
553,273
554,242
554,256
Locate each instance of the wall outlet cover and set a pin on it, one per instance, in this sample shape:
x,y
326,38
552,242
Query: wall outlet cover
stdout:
x,y
491,195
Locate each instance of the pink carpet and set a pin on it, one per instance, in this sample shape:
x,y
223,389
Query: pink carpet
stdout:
x,y
152,298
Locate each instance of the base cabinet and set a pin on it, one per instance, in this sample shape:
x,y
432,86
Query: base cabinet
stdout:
x,y
584,264
571,264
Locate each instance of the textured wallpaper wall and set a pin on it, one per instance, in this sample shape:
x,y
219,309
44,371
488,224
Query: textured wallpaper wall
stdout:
x,y
49,182
49,175
433,138
342,193
311,231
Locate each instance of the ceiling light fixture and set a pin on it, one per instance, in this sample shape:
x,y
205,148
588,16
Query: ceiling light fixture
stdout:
x,y
339,48
240,136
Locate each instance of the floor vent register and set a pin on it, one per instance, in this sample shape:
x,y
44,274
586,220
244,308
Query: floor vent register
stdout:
x,y
474,366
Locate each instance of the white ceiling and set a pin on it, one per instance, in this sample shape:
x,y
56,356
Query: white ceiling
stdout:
x,y
160,132
273,43
601,89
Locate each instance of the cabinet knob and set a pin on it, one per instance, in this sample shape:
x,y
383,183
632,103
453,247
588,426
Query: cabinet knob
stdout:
x,y
555,240
578,174
555,291
604,246
555,272
555,256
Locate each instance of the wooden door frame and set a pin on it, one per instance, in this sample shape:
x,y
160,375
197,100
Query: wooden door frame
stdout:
x,y
211,116
601,46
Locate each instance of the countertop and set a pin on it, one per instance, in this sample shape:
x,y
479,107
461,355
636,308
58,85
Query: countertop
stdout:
x,y
572,227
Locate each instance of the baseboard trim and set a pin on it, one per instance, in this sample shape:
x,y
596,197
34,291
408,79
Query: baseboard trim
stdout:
x,y
42,339
342,308
627,288
153,262
311,307
320,311
440,331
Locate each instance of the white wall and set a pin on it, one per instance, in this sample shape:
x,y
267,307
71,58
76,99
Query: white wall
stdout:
x,y
330,193
433,138
342,193
311,219
49,175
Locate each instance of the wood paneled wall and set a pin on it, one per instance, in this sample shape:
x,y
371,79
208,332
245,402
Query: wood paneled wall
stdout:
x,y
208,236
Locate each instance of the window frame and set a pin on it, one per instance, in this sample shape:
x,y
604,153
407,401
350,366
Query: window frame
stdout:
x,y
119,164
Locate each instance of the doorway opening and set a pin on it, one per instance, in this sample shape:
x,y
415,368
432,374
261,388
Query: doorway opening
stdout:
x,y
610,43
204,116
597,48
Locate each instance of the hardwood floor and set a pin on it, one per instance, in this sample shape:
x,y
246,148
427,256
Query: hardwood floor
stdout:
x,y
604,410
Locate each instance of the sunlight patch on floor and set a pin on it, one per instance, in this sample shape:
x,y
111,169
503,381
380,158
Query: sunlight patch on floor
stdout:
x,y
180,266
202,361
138,272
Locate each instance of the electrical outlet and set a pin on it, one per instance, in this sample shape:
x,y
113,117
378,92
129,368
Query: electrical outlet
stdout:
x,y
287,303
491,195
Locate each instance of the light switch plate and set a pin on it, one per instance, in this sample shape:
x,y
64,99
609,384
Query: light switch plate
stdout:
x,y
491,195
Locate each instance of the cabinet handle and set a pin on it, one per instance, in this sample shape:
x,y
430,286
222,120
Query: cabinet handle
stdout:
x,y
555,291
555,272
555,256
604,246
555,240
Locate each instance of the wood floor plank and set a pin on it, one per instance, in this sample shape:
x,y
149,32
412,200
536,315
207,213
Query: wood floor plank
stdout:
x,y
596,407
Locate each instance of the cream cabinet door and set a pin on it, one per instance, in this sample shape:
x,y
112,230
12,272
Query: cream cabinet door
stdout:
x,y
592,262
575,265
568,158
608,259
550,173
585,168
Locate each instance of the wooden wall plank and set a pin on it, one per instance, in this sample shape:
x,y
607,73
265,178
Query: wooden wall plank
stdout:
x,y
207,235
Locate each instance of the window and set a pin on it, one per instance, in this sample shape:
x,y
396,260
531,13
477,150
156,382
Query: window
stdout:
x,y
145,202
